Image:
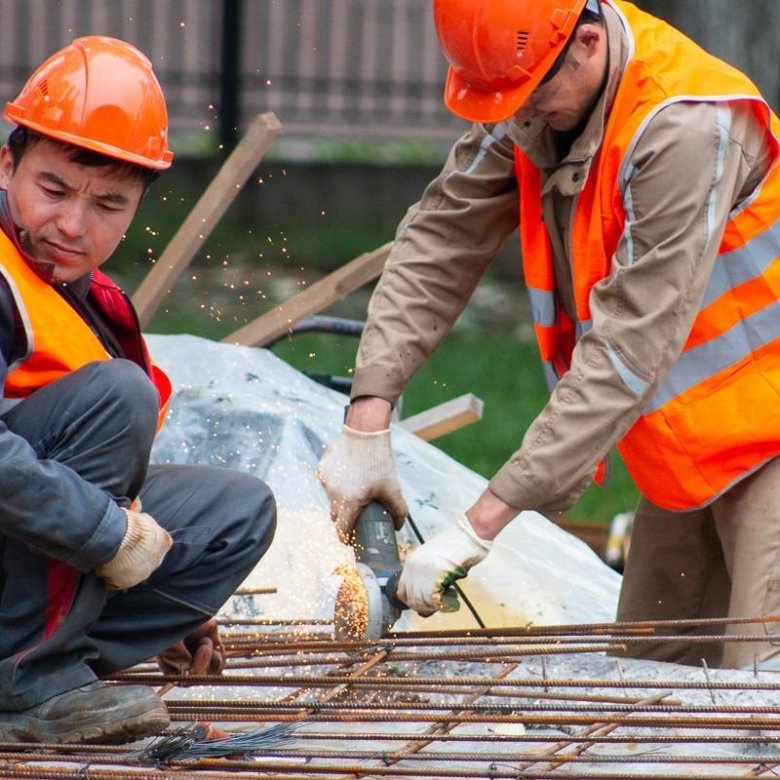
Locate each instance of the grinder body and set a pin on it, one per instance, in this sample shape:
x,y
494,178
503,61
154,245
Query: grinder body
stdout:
x,y
379,566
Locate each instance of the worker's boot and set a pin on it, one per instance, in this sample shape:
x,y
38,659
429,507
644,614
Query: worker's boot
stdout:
x,y
97,712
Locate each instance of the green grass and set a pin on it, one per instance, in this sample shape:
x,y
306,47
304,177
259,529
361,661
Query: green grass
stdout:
x,y
497,368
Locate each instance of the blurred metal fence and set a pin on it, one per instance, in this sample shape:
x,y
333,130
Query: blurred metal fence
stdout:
x,y
360,68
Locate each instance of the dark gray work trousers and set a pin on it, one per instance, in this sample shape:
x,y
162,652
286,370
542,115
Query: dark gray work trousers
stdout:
x,y
221,521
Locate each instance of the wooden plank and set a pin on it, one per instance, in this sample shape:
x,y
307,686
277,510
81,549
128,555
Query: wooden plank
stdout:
x,y
445,418
207,212
320,295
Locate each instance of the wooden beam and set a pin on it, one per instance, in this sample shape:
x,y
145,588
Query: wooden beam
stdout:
x,y
445,418
207,212
320,295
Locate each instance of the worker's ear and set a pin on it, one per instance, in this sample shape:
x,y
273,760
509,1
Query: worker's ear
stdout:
x,y
6,166
589,37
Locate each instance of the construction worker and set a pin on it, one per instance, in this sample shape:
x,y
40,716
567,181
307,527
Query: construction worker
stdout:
x,y
643,175
105,560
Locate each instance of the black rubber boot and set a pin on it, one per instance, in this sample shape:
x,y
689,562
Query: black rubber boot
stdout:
x,y
97,712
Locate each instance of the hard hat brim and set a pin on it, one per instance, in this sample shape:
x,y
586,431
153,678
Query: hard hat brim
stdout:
x,y
15,115
479,105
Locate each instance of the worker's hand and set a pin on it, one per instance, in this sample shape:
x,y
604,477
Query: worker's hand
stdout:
x,y
357,469
142,550
200,652
430,569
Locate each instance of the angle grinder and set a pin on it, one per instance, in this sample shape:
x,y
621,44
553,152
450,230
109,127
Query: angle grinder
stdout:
x,y
367,604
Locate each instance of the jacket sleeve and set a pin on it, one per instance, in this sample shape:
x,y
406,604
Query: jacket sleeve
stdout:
x,y
693,164
442,248
43,503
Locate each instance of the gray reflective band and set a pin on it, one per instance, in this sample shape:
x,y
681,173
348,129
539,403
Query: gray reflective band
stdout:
x,y
592,5
743,264
542,306
631,380
499,131
582,328
700,363
724,128
628,206
550,375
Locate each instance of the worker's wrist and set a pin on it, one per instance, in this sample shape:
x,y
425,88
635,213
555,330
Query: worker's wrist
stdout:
x,y
489,515
369,414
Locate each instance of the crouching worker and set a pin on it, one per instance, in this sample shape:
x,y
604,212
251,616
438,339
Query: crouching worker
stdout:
x,y
105,560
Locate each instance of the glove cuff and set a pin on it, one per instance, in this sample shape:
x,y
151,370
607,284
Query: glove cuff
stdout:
x,y
141,551
372,448
134,535
356,435
465,527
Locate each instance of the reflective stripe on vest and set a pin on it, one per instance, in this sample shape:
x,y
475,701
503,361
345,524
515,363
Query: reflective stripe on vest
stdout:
x,y
58,339
696,436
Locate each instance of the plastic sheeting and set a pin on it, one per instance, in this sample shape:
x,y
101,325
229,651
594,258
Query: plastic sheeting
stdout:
x,y
244,408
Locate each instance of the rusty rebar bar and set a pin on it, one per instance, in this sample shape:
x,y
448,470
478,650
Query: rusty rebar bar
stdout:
x,y
388,714
274,770
316,680
590,628
520,711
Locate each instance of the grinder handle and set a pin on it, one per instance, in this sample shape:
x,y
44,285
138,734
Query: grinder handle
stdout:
x,y
391,591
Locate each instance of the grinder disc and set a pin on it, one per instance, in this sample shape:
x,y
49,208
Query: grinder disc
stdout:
x,y
358,615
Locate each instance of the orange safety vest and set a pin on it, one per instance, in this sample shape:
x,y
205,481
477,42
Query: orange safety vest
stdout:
x,y
716,418
58,339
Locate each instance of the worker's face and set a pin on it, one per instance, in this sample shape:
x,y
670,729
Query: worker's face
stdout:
x,y
567,99
70,215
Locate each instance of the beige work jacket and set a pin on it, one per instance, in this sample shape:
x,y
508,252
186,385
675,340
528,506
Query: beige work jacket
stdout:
x,y
691,171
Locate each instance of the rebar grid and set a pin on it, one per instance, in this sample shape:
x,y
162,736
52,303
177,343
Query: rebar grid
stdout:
x,y
471,704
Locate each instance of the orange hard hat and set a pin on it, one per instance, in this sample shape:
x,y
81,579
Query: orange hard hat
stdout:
x,y
500,50
98,93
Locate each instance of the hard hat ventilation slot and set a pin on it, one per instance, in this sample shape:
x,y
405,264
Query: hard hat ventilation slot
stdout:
x,y
43,87
522,39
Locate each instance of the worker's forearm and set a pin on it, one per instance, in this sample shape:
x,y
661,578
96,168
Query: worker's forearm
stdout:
x,y
442,248
489,514
54,510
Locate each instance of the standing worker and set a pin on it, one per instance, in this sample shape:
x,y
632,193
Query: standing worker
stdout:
x,y
105,560
643,175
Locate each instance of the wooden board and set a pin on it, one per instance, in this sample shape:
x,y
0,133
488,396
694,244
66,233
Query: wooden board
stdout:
x,y
445,418
319,296
207,212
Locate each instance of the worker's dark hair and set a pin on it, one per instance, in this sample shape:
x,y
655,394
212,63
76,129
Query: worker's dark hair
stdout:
x,y
22,138
590,14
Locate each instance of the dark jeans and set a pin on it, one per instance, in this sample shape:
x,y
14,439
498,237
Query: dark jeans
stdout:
x,y
221,521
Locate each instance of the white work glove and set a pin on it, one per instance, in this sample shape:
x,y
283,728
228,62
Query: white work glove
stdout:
x,y
142,550
430,569
356,469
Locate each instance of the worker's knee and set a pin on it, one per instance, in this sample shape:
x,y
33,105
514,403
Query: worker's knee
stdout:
x,y
255,511
123,394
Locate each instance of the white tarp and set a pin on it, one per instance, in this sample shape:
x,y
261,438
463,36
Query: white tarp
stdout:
x,y
244,408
